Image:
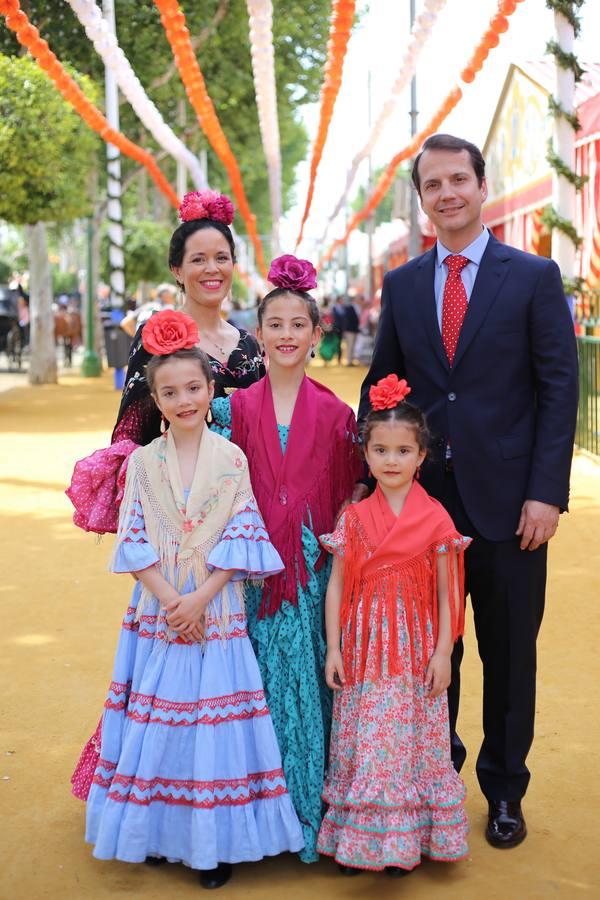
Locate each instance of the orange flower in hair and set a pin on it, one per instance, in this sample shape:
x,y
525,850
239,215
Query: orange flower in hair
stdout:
x,y
388,392
168,331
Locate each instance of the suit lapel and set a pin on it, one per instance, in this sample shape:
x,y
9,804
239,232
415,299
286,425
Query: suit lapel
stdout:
x,y
492,272
424,289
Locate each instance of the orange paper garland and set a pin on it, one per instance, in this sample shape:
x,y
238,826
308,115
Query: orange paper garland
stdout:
x,y
342,17
173,21
28,35
490,39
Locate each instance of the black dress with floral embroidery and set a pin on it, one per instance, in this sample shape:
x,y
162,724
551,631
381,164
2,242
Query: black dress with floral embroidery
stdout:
x,y
139,419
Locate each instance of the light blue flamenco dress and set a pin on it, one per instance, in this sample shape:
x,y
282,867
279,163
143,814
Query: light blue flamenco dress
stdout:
x,y
291,648
189,767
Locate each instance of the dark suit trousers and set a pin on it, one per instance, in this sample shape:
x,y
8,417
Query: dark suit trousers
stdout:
x,y
507,588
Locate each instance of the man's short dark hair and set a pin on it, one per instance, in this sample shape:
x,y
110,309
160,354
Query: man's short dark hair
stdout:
x,y
455,145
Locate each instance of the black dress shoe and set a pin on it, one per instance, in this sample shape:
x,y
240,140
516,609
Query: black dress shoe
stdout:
x,y
349,871
155,860
506,825
396,871
215,878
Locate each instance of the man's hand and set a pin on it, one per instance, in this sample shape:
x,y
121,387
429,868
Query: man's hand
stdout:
x,y
538,523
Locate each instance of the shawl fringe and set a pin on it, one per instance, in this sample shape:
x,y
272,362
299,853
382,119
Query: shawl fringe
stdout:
x,y
376,597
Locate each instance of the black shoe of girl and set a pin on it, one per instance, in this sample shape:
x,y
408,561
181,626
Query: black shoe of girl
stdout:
x,y
396,871
215,878
349,871
155,860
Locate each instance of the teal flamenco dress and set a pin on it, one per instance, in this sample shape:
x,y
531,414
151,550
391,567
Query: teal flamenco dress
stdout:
x,y
290,648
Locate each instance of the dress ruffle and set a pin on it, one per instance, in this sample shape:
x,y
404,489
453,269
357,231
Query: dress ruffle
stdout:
x,y
245,547
189,766
133,551
290,649
97,485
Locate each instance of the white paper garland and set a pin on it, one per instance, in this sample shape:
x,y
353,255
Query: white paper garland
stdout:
x,y
108,48
260,15
420,33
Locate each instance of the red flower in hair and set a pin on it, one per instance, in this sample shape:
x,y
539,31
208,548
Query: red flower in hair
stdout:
x,y
206,205
388,392
168,331
292,274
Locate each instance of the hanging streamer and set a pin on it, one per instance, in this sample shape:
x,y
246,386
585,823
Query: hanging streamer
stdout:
x,y
260,15
420,33
490,39
29,37
108,49
173,20
342,16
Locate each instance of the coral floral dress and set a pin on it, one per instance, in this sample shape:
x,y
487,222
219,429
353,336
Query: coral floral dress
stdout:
x,y
393,794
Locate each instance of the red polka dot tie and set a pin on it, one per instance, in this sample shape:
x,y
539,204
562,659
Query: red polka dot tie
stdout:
x,y
454,305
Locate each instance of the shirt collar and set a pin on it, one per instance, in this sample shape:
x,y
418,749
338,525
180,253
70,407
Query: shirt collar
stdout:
x,y
473,252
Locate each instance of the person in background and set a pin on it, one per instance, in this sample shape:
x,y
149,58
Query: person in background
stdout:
x,y
166,297
339,318
351,329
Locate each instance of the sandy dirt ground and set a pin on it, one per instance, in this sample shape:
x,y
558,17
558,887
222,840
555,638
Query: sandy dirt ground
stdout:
x,y
62,612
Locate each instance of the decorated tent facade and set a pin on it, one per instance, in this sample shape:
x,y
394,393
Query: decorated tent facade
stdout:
x,y
520,178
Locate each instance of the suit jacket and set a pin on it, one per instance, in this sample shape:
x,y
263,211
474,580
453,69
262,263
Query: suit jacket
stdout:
x,y
508,405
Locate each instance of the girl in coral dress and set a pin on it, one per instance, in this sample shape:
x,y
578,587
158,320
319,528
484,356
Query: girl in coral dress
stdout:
x,y
394,608
189,767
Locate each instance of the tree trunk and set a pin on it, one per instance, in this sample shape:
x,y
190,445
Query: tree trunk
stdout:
x,y
42,367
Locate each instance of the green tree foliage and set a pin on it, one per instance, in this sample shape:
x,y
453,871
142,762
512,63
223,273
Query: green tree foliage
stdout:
x,y
5,271
386,211
45,148
146,244
219,30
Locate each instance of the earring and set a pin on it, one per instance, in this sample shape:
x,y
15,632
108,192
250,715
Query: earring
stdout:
x,y
262,352
418,473
312,353
209,416
163,424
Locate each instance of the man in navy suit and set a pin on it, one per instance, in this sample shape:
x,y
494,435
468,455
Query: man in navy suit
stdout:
x,y
495,371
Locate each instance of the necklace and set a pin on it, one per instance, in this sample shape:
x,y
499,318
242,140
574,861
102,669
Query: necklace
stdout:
x,y
214,343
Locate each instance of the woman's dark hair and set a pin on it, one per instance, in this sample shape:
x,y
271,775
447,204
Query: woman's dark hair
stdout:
x,y
455,145
155,362
183,232
404,412
309,300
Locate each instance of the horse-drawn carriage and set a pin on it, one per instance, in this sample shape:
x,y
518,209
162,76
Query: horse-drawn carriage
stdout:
x,y
11,334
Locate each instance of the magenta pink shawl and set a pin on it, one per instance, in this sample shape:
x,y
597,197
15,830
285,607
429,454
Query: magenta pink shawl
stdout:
x,y
306,485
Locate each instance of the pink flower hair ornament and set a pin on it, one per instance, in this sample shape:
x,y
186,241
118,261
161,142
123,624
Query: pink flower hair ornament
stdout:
x,y
388,392
169,331
207,205
292,274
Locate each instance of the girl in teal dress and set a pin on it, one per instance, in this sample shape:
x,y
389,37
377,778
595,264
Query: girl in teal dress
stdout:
x,y
300,440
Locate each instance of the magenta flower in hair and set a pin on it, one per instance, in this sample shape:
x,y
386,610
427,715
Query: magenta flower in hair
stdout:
x,y
292,274
206,205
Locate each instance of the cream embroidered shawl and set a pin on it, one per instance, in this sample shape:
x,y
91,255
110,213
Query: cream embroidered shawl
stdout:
x,y
183,533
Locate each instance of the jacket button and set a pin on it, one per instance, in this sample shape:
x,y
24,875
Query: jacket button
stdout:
x,y
451,396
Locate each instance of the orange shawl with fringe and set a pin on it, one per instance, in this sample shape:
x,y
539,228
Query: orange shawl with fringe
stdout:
x,y
386,556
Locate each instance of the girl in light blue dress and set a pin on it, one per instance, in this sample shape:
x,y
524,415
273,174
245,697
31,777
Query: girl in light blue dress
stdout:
x,y
189,768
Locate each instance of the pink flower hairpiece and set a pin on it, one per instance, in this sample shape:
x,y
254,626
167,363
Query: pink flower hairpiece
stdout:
x,y
292,274
388,392
168,331
206,205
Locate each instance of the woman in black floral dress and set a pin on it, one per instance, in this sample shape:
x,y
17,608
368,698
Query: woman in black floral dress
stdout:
x,y
201,257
